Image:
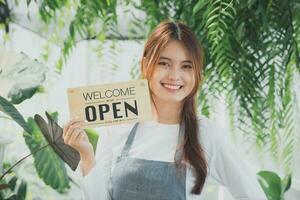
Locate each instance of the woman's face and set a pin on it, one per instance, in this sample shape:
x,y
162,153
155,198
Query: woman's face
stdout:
x,y
173,77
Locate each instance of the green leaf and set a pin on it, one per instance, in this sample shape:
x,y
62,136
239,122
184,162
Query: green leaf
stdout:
x,y
271,184
18,95
12,183
12,197
93,137
59,64
286,183
101,37
10,110
49,166
199,5
22,190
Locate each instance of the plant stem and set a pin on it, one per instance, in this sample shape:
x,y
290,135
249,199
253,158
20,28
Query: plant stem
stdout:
x,y
22,160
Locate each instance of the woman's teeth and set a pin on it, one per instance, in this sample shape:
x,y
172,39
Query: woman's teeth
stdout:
x,y
172,87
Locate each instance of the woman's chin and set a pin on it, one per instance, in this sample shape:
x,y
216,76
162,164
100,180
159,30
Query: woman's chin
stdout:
x,y
169,99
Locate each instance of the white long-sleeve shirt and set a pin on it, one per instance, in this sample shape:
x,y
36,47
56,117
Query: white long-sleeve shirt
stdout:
x,y
156,141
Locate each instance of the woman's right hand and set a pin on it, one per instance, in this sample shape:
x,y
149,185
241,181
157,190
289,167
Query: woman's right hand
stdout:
x,y
76,137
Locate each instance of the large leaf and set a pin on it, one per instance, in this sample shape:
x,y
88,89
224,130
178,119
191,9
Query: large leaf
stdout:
x,y
20,77
10,110
53,133
271,185
49,166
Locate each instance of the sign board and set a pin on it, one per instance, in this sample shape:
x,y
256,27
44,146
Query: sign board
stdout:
x,y
110,104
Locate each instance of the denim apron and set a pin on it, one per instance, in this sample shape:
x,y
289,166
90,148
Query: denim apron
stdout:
x,y
141,179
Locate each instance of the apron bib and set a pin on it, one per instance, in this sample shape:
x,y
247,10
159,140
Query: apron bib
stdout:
x,y
141,179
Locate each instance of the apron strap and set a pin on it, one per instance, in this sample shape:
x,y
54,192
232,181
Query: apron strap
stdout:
x,y
179,149
129,141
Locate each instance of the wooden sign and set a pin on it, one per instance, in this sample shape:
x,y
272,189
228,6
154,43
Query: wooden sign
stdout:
x,y
109,104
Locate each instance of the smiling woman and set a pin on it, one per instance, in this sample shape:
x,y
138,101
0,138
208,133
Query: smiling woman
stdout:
x,y
169,50
172,156
173,74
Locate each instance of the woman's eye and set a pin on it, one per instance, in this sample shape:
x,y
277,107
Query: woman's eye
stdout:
x,y
163,64
187,66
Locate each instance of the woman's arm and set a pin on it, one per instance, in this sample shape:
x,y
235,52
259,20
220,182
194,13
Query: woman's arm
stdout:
x,y
93,170
229,168
96,184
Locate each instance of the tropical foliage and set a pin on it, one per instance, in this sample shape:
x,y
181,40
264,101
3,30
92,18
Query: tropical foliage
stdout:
x,y
48,165
12,187
50,168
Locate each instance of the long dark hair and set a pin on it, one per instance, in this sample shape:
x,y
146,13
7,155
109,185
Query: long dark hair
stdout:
x,y
162,34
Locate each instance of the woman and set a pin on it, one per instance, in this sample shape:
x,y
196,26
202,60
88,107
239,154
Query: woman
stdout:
x,y
172,156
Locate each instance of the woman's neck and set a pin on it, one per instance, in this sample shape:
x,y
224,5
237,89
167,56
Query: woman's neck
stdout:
x,y
166,112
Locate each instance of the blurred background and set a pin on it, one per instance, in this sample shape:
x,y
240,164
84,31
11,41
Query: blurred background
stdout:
x,y
251,81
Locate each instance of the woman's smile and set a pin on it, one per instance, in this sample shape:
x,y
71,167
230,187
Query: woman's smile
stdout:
x,y
172,87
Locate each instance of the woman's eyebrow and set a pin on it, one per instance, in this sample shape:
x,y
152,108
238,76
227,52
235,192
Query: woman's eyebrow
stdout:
x,y
163,57
188,61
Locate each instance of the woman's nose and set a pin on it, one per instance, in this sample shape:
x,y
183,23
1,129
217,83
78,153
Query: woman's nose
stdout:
x,y
174,73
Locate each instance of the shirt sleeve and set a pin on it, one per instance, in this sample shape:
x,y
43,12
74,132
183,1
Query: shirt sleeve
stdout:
x,y
230,169
96,184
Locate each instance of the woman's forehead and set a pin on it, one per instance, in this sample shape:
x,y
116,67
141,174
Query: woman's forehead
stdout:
x,y
175,50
